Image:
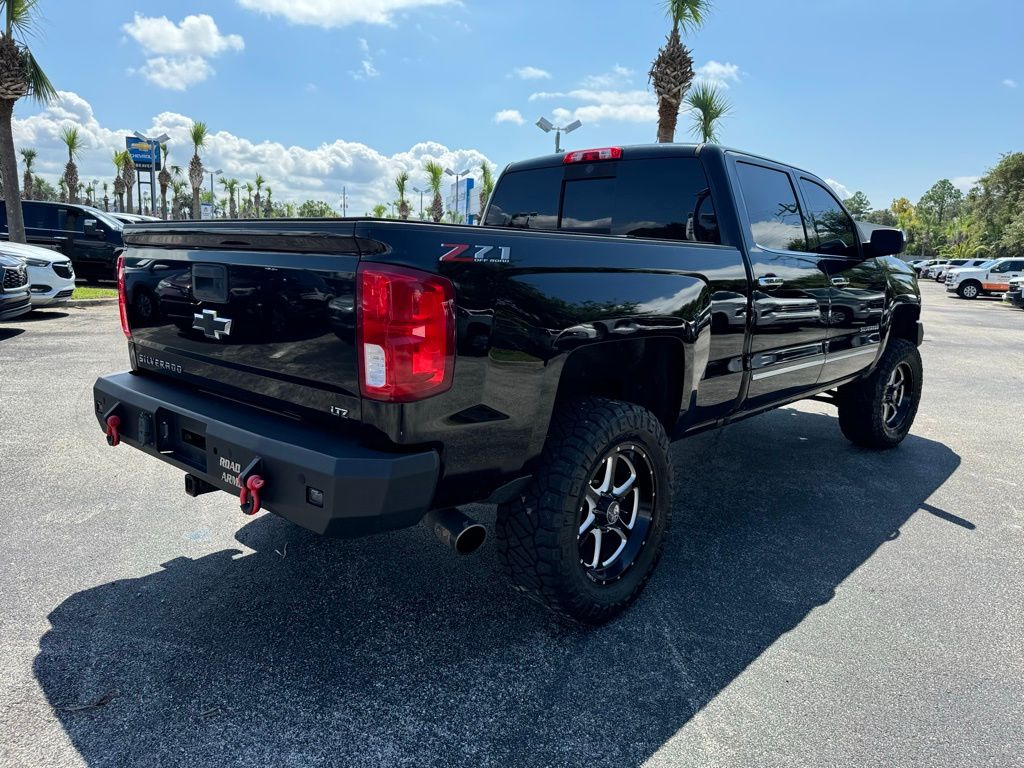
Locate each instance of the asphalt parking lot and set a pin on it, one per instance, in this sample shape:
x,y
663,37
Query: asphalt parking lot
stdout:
x,y
817,605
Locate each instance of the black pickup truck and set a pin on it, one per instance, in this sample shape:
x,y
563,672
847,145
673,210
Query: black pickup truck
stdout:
x,y
361,375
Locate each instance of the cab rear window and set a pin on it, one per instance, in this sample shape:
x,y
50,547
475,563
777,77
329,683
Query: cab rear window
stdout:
x,y
666,199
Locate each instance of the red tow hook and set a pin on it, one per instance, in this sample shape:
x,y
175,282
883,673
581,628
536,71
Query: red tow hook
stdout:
x,y
250,504
113,425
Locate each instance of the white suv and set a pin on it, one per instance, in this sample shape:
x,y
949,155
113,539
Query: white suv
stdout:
x,y
50,274
991,277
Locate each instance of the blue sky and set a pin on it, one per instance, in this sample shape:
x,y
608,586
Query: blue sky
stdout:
x,y
886,97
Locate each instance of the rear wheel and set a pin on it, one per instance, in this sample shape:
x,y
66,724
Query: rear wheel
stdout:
x,y
585,536
878,411
968,290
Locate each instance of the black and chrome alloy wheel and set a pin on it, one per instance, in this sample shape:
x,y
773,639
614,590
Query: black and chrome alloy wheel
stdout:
x,y
616,513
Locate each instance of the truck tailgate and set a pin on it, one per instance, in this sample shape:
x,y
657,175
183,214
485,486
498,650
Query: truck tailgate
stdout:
x,y
239,314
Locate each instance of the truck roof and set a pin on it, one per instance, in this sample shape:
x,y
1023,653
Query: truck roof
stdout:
x,y
648,152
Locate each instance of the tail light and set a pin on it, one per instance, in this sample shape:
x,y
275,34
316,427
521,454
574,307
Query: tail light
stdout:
x,y
593,155
406,333
122,299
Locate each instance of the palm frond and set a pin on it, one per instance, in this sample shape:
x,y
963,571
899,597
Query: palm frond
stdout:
x,y
688,15
708,106
436,174
72,140
20,16
198,133
41,90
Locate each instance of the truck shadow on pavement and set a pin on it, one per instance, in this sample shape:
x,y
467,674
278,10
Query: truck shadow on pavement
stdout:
x,y
389,651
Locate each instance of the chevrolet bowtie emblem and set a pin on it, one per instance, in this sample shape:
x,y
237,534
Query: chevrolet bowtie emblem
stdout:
x,y
213,327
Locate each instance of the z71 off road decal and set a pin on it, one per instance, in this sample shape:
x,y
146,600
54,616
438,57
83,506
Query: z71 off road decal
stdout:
x,y
484,254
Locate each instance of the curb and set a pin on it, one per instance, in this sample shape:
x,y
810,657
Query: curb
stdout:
x,y
84,303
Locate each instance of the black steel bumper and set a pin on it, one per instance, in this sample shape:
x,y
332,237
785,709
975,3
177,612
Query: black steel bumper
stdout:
x,y
328,483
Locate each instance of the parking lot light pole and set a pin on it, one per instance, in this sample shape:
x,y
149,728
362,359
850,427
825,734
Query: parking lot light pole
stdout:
x,y
547,126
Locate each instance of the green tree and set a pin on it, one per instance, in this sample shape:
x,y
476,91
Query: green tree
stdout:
x,y
995,207
72,140
43,190
20,76
128,174
963,244
486,185
435,174
401,182
708,107
164,178
198,133
883,216
672,69
858,205
316,209
936,209
29,156
380,211
257,202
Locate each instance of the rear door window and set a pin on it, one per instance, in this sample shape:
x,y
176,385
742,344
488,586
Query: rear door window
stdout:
x,y
772,208
39,216
526,200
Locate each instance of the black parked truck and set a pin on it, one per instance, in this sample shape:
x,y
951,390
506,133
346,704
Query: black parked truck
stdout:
x,y
360,375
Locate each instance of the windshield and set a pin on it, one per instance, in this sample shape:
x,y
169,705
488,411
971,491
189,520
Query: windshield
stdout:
x,y
106,218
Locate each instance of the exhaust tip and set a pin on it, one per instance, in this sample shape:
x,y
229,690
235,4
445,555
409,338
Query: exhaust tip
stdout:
x,y
470,539
456,529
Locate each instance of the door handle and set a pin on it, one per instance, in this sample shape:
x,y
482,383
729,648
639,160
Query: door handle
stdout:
x,y
840,282
770,282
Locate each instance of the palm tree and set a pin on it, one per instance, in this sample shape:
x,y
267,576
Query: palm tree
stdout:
x,y
436,174
230,185
106,198
128,174
20,75
268,206
195,168
164,177
401,180
63,189
119,180
708,106
380,211
69,135
247,208
259,181
29,156
177,198
672,70
486,184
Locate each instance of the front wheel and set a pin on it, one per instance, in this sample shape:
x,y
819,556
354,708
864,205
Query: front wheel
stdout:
x,y
586,534
878,411
969,290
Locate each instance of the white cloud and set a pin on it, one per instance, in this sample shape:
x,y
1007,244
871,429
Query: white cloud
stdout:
x,y
1010,83
606,97
193,35
618,76
178,53
366,69
718,73
175,73
531,73
295,173
965,183
509,116
337,13
840,189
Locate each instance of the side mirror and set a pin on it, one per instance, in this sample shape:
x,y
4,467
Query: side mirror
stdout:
x,y
91,230
887,242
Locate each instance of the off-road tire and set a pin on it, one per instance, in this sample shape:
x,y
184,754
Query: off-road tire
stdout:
x,y
862,411
537,532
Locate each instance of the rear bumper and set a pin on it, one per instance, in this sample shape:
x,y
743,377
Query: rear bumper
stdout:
x,y
363,490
